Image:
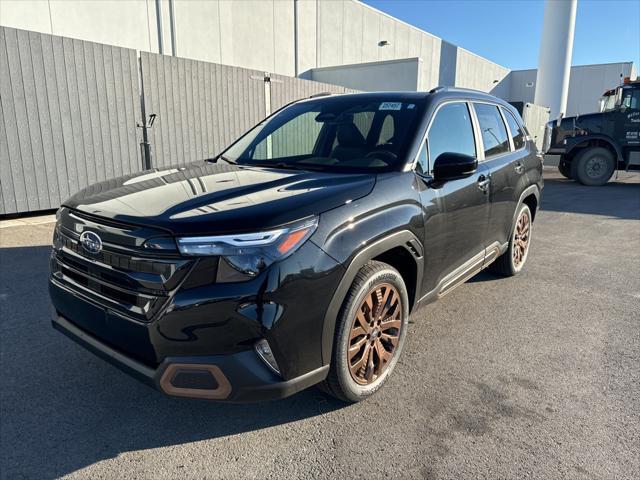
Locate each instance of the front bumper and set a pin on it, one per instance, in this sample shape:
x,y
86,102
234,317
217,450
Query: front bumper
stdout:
x,y
197,337
237,377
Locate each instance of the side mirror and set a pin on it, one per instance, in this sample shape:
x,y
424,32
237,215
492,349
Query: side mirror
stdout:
x,y
449,166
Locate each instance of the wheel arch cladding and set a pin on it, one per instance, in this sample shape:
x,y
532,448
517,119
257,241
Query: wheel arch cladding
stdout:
x,y
532,202
531,197
388,248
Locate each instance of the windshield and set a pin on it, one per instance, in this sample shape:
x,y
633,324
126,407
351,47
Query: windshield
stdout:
x,y
335,134
608,102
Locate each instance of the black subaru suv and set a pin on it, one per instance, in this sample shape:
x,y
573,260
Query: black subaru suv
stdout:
x,y
295,257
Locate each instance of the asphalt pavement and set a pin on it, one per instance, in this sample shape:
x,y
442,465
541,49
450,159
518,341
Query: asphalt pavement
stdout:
x,y
536,376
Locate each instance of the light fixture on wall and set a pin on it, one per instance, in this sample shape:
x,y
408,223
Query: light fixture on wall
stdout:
x,y
383,43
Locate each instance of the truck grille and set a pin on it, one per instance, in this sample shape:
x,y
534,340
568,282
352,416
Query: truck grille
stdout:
x,y
123,276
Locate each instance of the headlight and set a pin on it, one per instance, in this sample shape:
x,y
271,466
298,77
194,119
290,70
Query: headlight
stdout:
x,y
250,253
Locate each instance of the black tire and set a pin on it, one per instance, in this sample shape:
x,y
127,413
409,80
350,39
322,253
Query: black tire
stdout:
x,y
340,381
593,166
565,169
506,264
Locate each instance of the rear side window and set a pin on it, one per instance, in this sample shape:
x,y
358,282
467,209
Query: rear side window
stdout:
x,y
494,133
516,131
451,131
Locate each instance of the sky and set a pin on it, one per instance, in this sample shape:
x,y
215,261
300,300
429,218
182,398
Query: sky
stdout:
x,y
606,31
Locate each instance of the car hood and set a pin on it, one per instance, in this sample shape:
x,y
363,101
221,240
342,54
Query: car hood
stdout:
x,y
205,198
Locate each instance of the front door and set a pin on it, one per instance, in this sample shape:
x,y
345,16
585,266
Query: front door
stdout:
x,y
456,211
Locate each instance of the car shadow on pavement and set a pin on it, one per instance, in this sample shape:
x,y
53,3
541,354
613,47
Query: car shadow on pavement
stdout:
x,y
63,409
615,199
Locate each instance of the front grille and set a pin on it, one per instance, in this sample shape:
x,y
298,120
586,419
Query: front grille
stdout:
x,y
123,276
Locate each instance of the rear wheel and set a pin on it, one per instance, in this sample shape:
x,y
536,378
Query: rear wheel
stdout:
x,y
370,333
512,261
593,166
565,169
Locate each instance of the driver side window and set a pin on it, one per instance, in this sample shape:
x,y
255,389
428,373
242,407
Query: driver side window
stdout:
x,y
631,99
451,131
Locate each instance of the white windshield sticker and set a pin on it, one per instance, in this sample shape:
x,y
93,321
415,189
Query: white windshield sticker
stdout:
x,y
390,106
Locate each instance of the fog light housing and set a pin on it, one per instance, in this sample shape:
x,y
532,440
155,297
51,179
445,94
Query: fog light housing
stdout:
x,y
266,355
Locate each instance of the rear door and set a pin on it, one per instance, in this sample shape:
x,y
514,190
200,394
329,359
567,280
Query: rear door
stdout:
x,y
505,158
459,228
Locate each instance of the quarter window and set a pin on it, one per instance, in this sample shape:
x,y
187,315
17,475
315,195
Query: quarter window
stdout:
x,y
451,131
516,131
494,133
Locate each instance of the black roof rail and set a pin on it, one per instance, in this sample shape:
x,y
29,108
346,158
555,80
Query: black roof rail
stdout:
x,y
457,89
321,94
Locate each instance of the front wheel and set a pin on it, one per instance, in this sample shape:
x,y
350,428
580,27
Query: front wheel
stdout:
x,y
512,261
370,333
593,166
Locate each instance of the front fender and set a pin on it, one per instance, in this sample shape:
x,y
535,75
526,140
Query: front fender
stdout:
x,y
390,216
575,143
404,239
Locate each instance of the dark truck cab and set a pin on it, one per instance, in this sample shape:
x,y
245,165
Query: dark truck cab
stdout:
x,y
592,146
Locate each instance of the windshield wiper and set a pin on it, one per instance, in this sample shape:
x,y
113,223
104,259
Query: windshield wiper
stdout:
x,y
220,157
283,165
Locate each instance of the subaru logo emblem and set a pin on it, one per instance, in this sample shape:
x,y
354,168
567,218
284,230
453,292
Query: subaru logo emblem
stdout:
x,y
91,242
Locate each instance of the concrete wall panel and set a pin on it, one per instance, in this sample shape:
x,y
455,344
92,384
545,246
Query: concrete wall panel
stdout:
x,y
388,33
26,15
123,23
370,35
476,72
200,16
283,38
352,33
401,39
387,75
330,33
307,35
430,54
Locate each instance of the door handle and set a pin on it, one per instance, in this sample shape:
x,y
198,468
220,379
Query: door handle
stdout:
x,y
519,167
483,183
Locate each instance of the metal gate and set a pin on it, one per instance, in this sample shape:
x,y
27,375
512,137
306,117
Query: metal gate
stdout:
x,y
203,107
71,111
68,117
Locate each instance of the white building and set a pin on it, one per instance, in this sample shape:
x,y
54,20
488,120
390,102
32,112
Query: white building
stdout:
x,y
289,37
344,42
587,83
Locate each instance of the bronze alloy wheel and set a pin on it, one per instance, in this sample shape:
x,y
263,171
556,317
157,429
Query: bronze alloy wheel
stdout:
x,y
521,238
375,333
